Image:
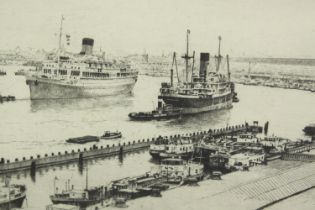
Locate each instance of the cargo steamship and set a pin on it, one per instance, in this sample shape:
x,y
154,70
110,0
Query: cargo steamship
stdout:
x,y
209,90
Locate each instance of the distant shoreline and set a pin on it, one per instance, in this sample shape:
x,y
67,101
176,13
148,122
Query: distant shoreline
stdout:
x,y
285,61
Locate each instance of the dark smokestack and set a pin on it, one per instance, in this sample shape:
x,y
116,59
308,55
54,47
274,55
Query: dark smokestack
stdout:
x,y
87,46
204,62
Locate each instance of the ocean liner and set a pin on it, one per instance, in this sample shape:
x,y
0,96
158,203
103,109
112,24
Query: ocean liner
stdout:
x,y
80,76
206,91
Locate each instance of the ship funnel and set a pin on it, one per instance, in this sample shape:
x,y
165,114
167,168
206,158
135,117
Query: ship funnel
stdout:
x,y
87,46
204,62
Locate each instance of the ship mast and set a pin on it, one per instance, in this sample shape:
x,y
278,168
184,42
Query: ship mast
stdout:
x,y
192,67
228,66
219,55
59,47
174,62
186,56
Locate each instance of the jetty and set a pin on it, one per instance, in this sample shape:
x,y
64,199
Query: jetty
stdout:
x,y
270,190
38,161
296,154
256,193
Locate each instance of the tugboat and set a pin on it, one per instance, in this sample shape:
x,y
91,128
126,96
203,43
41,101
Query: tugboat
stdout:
x,y
12,196
83,139
82,198
163,111
111,135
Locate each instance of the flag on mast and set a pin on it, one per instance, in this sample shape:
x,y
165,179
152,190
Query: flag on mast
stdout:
x,y
68,39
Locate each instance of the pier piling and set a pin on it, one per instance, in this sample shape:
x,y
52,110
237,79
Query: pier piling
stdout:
x,y
33,168
80,159
120,149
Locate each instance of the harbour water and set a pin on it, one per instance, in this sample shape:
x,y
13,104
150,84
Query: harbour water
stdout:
x,y
39,127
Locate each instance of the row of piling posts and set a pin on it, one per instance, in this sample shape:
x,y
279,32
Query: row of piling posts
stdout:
x,y
121,151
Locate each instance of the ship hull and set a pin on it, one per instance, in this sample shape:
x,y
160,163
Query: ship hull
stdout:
x,y
14,203
76,202
197,105
184,156
138,117
51,89
155,154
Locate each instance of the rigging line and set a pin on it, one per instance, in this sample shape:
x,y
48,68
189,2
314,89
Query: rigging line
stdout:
x,y
192,67
176,67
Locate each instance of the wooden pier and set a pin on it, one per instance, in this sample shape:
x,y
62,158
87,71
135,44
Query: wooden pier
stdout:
x,y
302,148
263,192
38,161
295,154
273,189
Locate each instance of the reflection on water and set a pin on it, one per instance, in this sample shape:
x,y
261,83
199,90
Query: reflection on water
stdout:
x,y
81,103
206,117
101,171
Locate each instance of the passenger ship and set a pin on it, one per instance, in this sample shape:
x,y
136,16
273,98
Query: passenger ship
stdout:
x,y
202,92
80,76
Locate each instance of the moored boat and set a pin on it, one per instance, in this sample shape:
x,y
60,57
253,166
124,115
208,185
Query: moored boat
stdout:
x,y
20,72
62,207
12,196
202,92
83,139
138,186
3,73
111,135
158,146
84,75
81,198
177,170
78,197
7,98
182,148
309,130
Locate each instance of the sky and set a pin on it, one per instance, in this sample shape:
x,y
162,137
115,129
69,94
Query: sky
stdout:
x,y
249,28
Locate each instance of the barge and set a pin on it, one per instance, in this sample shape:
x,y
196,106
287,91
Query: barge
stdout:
x,y
83,139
